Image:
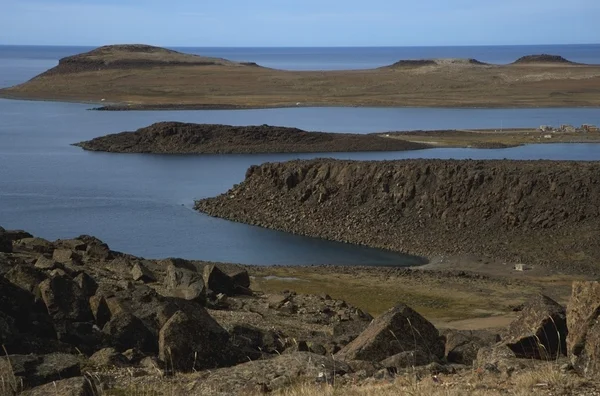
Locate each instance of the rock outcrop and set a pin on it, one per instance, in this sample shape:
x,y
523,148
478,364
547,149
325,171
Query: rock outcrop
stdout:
x,y
185,138
534,212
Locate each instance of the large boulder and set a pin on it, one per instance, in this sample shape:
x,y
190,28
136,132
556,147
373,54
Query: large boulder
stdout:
x,y
462,345
35,370
140,272
539,331
65,300
76,386
126,331
26,277
185,283
583,318
218,281
398,330
193,341
35,245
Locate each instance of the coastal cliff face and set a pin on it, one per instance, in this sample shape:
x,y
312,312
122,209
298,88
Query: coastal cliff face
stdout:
x,y
535,212
187,138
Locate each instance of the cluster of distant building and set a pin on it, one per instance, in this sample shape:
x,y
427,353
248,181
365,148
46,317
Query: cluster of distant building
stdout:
x,y
570,128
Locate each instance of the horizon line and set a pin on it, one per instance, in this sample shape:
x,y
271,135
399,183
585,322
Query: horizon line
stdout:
x,y
298,46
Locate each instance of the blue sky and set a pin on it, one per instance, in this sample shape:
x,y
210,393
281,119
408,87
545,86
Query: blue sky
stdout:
x,y
240,23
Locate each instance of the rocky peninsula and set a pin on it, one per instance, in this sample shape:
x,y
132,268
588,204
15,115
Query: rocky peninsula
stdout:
x,y
132,77
77,318
541,213
185,138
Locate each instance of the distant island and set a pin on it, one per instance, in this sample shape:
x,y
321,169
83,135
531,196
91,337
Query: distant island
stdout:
x,y
132,77
187,138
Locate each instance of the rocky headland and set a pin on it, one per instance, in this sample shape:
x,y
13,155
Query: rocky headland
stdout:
x,y
184,138
540,213
134,77
77,318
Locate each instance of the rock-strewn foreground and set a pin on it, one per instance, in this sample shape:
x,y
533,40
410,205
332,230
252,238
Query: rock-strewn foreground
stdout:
x,y
132,77
532,212
186,138
77,318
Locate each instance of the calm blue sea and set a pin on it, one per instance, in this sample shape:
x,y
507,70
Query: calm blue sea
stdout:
x,y
141,204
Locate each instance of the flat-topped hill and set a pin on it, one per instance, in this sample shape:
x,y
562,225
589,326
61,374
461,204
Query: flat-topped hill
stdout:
x,y
438,62
129,56
131,77
543,58
185,138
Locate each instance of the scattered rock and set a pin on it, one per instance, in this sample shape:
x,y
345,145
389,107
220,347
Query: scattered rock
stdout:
x,y
35,370
45,263
35,245
399,329
127,331
193,342
65,300
26,277
86,283
462,345
66,256
140,272
108,357
540,330
186,284
218,281
77,386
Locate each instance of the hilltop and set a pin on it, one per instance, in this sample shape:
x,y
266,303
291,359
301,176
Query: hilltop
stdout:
x,y
129,77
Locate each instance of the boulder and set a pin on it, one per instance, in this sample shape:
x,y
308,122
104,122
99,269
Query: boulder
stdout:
x,y
185,283
241,278
407,359
76,386
271,375
95,248
35,370
5,242
583,318
499,358
72,244
26,277
539,331
65,300
108,357
100,310
193,341
254,341
399,329
218,281
46,264
66,256
35,245
140,272
86,283
462,345
126,331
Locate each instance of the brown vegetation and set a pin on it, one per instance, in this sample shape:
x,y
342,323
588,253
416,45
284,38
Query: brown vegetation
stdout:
x,y
156,78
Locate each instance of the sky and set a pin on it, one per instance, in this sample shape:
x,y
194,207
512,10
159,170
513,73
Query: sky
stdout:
x,y
298,23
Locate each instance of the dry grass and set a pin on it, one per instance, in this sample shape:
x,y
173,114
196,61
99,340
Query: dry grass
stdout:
x,y
439,86
9,384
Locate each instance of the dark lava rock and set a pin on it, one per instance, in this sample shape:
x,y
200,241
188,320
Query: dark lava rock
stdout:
x,y
241,278
218,281
185,283
462,345
76,386
86,283
40,369
398,330
501,209
140,272
583,318
178,137
193,341
540,330
26,277
127,331
65,300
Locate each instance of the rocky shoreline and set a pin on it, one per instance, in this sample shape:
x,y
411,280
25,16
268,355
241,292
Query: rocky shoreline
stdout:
x,y
77,318
186,138
531,212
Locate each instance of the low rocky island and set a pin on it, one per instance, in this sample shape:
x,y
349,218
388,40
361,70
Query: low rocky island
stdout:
x,y
77,318
135,77
542,213
184,138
